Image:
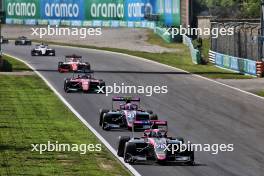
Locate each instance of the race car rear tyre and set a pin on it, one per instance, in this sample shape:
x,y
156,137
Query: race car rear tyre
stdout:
x,y
130,152
101,114
191,163
153,117
88,67
121,145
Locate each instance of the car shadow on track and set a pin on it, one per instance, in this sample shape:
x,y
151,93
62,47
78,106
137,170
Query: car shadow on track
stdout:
x,y
153,163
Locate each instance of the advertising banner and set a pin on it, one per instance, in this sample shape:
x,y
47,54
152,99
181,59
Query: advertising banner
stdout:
x,y
135,10
22,9
104,9
167,10
62,9
237,64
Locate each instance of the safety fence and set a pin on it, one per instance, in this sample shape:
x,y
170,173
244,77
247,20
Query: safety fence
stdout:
x,y
241,65
115,13
195,53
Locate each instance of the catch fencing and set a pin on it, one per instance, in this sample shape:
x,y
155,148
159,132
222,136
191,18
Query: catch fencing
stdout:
x,y
243,44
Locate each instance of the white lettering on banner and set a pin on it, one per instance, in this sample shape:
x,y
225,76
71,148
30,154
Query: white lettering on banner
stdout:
x,y
110,10
135,9
62,10
21,9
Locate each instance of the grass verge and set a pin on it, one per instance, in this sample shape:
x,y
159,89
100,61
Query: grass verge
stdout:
x,y
11,64
30,113
180,59
260,93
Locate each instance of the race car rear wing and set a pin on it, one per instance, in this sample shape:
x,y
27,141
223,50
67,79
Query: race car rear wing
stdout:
x,y
131,99
124,99
159,124
73,56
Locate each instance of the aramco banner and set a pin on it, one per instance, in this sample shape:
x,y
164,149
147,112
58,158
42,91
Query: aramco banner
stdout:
x,y
89,10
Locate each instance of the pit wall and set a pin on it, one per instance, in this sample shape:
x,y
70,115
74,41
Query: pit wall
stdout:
x,y
112,13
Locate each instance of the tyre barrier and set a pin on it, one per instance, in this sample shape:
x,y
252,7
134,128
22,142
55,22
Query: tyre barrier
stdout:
x,y
260,68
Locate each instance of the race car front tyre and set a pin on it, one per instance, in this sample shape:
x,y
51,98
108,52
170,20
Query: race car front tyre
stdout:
x,y
121,145
105,122
130,152
101,114
66,89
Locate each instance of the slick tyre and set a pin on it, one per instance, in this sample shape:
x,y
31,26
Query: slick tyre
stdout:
x,y
121,145
130,152
105,122
101,115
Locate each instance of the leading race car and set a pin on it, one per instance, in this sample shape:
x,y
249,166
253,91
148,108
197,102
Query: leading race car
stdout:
x,y
84,82
154,145
4,40
73,63
127,113
42,50
22,41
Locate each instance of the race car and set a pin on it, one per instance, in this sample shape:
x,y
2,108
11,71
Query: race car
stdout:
x,y
42,50
4,40
155,146
22,41
127,113
84,82
73,63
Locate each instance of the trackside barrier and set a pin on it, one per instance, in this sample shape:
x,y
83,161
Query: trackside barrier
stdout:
x,y
195,53
241,65
30,11
260,68
212,56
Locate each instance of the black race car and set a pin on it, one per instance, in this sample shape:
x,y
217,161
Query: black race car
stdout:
x,y
156,146
23,41
127,113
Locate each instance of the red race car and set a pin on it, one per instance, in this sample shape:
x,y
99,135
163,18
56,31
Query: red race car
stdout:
x,y
84,82
73,63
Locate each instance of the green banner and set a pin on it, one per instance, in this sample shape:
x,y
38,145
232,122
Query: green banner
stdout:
x,y
22,9
104,10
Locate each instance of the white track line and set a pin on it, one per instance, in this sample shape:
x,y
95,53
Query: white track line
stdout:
x,y
112,150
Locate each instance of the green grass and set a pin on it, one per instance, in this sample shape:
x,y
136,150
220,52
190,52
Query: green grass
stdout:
x,y
30,113
180,59
260,93
157,40
11,64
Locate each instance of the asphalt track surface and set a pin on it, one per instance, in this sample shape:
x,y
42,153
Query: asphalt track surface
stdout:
x,y
199,110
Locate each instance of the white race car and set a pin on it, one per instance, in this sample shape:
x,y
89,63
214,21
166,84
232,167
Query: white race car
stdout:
x,y
42,50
